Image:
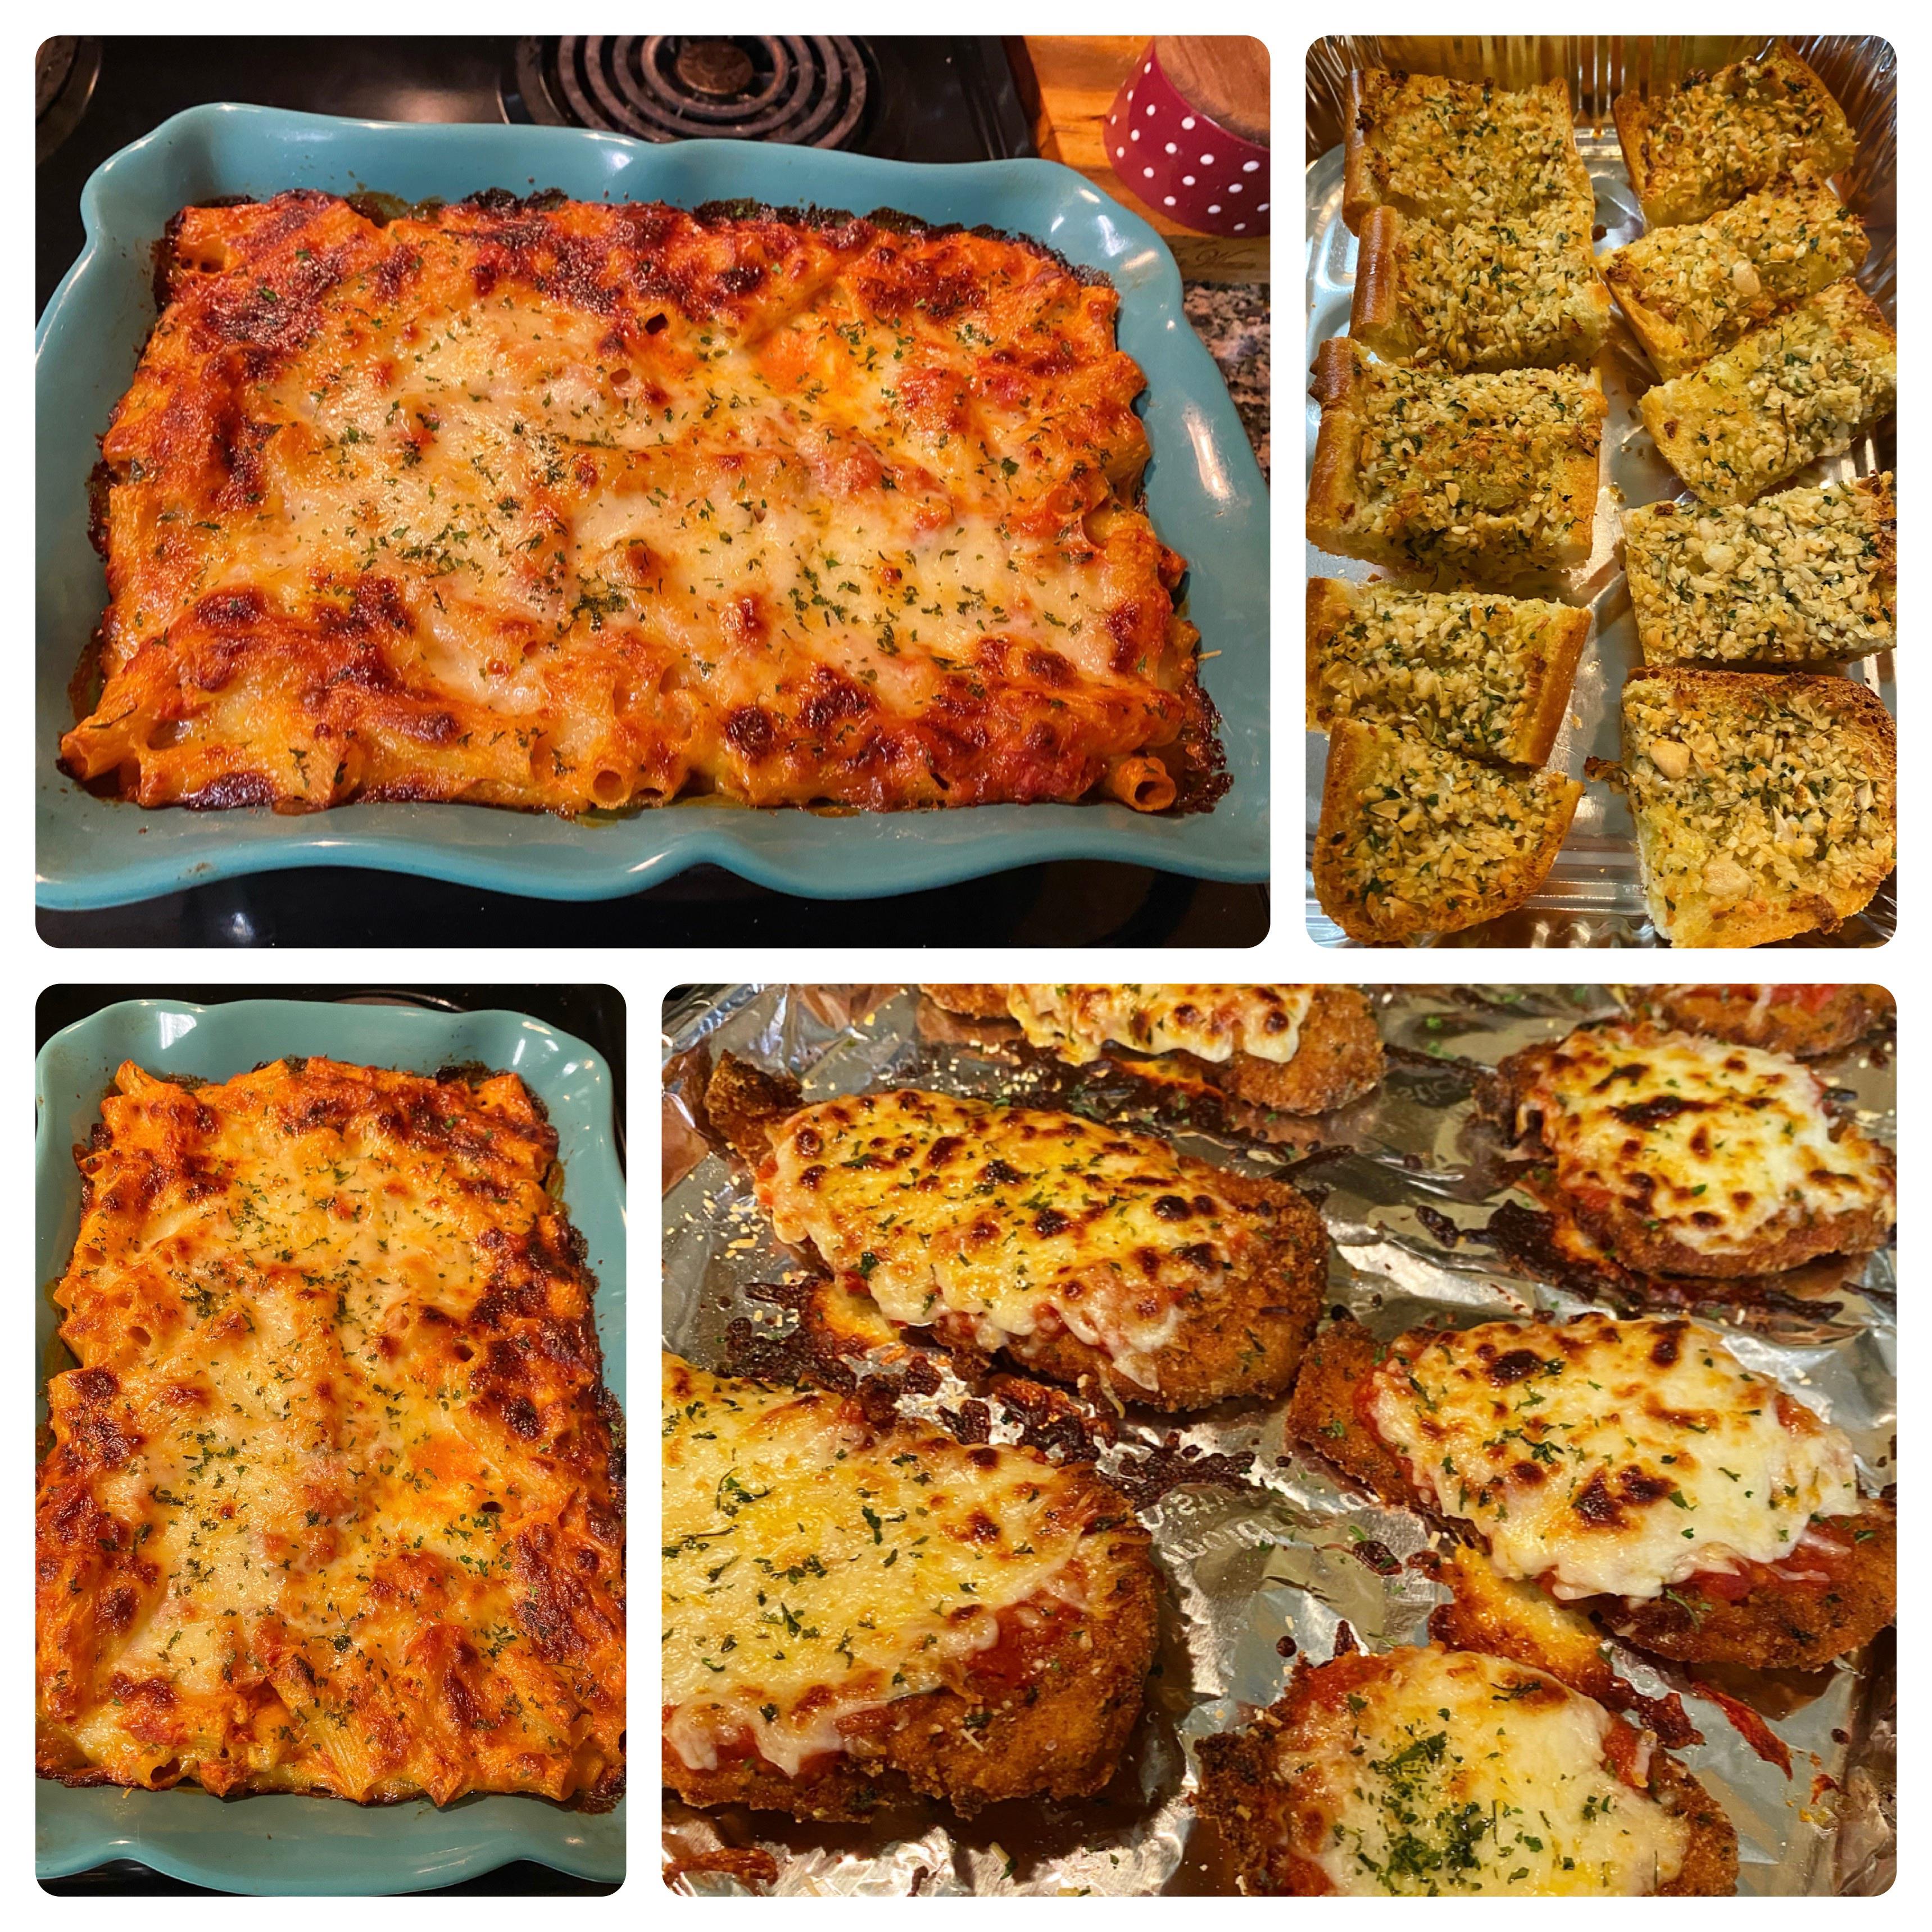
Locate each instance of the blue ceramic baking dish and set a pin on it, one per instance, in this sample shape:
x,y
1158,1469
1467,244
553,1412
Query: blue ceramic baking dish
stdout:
x,y
1203,490
301,1846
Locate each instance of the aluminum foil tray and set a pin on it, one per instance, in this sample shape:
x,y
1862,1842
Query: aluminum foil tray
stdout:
x,y
1592,896
1265,1546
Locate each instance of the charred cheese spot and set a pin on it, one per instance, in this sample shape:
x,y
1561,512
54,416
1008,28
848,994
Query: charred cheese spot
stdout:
x,y
329,1506
814,1570
1605,1457
1079,1023
1078,1238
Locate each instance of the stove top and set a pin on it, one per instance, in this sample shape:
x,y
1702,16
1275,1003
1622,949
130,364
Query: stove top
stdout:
x,y
928,98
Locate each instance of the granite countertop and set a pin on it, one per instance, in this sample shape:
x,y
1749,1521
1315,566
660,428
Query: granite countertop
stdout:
x,y
1231,318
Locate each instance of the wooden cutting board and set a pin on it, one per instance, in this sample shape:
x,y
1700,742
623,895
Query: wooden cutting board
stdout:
x,y
1075,79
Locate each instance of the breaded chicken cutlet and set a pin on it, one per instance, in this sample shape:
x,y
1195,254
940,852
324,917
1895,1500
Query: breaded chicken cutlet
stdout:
x,y
1807,1022
854,1610
1688,1155
1086,1253
1435,1772
1635,1470
1282,1049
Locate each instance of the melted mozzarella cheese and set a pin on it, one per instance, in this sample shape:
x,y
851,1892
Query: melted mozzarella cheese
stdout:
x,y
812,1571
1713,1143
1607,1457
1452,1772
1006,1218
1079,1023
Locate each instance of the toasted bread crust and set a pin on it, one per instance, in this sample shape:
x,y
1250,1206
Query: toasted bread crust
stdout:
x,y
1394,920
1056,1733
1376,304
1806,1021
1252,1811
1777,1624
1787,1242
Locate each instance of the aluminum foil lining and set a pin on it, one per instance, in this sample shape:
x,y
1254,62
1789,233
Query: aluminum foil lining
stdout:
x,y
1593,896
1284,1552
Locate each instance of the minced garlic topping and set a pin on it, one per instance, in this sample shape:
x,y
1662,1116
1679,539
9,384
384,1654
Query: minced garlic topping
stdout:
x,y
1797,389
1801,577
1709,145
1428,832
1522,293
1495,471
1709,284
1770,794
1461,668
1469,150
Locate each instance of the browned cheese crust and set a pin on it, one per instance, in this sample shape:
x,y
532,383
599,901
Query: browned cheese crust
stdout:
x,y
1778,1624
1631,1237
1339,1059
1808,1022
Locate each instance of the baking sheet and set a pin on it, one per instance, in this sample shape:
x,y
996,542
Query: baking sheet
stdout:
x,y
1280,1549
1592,896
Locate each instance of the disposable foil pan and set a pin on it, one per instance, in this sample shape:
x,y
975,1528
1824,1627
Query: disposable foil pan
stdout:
x,y
1264,1546
1592,896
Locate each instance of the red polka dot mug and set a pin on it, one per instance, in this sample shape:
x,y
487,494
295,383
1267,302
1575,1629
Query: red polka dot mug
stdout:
x,y
1180,161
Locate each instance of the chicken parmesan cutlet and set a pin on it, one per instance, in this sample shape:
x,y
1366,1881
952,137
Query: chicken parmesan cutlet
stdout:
x,y
1430,1772
1684,1155
573,506
1808,1022
1282,1049
1635,1471
1086,1253
334,1501
854,1608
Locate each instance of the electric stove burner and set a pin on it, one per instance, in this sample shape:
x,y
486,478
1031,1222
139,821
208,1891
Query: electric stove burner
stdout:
x,y
808,90
65,69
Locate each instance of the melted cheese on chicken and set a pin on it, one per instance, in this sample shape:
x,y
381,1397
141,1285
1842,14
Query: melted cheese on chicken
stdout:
x,y
1605,1457
814,1569
329,1506
1430,1772
590,506
1079,1023
1007,1218
1715,1145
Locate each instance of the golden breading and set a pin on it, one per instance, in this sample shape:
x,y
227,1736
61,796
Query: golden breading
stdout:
x,y
1809,1021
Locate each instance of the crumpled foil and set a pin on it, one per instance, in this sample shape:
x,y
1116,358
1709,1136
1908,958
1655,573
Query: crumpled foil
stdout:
x,y
1593,896
1283,1553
